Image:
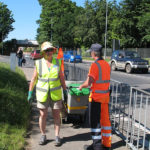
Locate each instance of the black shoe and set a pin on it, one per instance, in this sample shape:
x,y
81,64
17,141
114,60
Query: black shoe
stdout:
x,y
57,141
42,140
88,147
107,148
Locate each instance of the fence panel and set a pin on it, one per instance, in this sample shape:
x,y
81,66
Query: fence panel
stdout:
x,y
119,102
138,133
129,109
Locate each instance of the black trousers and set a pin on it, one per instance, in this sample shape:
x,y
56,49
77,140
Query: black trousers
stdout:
x,y
94,121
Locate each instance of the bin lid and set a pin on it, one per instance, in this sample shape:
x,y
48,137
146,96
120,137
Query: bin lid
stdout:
x,y
73,90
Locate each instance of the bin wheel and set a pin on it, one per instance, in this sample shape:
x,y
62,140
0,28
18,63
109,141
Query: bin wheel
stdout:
x,y
64,120
82,118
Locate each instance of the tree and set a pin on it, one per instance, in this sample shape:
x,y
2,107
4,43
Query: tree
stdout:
x,y
143,24
57,21
129,29
90,23
6,20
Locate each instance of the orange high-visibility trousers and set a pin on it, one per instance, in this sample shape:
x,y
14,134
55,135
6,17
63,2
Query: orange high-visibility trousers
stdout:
x,y
105,125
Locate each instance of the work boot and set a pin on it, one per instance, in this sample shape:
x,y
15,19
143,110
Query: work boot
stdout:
x,y
42,140
107,148
57,141
88,147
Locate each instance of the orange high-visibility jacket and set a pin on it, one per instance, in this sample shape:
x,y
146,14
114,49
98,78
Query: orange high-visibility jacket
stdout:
x,y
100,71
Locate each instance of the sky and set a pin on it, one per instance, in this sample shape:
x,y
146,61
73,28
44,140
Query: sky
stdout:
x,y
25,14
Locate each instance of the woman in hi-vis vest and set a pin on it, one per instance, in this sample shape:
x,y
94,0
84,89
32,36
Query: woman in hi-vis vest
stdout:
x,y
49,81
99,80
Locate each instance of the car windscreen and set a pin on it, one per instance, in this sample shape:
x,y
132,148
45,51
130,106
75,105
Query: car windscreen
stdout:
x,y
73,52
37,51
131,54
70,53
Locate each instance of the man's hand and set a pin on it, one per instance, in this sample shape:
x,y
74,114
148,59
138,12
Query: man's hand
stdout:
x,y
80,87
30,95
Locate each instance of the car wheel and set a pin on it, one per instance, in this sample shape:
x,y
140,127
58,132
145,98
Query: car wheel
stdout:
x,y
113,66
128,68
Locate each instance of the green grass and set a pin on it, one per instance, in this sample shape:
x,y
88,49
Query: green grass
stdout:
x,y
148,60
11,137
15,110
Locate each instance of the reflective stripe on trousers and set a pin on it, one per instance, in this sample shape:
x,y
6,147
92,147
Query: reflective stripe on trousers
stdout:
x,y
94,121
105,125
100,124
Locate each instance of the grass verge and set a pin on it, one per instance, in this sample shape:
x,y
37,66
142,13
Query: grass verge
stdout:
x,y
14,108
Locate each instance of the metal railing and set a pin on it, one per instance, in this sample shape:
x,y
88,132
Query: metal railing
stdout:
x,y
129,113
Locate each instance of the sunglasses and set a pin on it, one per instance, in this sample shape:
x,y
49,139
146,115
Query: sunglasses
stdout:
x,y
49,50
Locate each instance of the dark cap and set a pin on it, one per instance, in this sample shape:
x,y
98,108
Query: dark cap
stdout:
x,y
95,47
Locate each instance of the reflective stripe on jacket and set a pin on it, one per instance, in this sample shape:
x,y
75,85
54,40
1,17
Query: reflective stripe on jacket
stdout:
x,y
48,80
100,87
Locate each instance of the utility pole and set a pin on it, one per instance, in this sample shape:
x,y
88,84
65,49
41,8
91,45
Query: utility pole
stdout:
x,y
106,32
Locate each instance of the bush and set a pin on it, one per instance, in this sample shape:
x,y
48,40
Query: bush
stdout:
x,y
15,109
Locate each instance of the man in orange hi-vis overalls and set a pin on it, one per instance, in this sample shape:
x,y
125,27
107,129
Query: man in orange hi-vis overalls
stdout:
x,y
99,80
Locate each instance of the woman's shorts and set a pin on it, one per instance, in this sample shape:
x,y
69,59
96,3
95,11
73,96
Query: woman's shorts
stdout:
x,y
49,102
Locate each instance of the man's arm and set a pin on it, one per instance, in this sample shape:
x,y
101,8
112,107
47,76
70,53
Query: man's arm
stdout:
x,y
87,83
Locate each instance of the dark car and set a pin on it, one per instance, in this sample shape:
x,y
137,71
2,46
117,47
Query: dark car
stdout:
x,y
72,56
128,61
36,54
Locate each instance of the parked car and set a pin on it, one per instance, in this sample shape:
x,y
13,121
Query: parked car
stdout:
x,y
72,56
35,54
128,61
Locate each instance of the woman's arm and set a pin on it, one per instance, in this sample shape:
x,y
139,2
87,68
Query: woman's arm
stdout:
x,y
62,80
33,80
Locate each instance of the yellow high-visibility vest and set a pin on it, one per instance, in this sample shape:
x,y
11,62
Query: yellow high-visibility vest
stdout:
x,y
48,80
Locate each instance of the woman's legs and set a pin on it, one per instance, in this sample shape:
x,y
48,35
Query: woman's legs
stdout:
x,y
57,121
42,120
20,62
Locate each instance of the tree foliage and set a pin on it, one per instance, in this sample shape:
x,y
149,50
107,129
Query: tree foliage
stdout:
x,y
68,25
57,21
6,20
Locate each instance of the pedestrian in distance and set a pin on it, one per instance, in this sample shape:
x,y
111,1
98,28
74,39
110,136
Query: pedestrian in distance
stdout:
x,y
49,81
99,80
20,56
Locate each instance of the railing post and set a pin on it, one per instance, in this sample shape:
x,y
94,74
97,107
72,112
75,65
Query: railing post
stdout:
x,y
131,89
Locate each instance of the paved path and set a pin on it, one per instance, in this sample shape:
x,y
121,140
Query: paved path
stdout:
x,y
74,136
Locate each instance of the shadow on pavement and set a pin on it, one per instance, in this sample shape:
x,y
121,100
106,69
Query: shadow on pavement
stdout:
x,y
78,137
118,144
